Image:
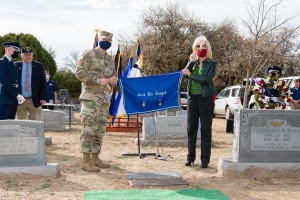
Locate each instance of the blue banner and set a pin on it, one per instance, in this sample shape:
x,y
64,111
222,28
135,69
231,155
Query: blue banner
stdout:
x,y
151,93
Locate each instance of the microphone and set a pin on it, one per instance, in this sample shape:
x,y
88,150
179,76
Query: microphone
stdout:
x,y
136,66
188,63
141,70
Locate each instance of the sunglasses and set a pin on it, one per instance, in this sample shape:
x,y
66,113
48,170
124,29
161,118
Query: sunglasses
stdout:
x,y
203,46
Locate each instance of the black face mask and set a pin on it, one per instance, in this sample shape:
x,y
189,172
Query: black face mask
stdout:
x,y
15,54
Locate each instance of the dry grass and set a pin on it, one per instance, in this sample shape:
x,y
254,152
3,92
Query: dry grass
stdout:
x,y
73,182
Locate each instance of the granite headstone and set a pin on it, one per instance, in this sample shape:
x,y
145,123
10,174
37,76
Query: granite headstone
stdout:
x,y
53,120
23,151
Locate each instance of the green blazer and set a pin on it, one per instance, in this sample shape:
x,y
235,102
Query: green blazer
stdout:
x,y
206,79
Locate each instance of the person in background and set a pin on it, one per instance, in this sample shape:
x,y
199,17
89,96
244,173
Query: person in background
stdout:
x,y
96,70
10,88
295,92
51,92
274,71
34,88
200,71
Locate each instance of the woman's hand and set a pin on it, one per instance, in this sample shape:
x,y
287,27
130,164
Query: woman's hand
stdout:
x,y
186,72
193,57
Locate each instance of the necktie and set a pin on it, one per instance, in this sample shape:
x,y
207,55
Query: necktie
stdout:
x,y
27,83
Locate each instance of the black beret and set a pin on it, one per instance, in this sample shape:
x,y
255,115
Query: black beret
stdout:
x,y
274,69
15,45
26,50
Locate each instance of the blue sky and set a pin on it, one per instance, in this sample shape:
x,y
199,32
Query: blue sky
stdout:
x,y
69,25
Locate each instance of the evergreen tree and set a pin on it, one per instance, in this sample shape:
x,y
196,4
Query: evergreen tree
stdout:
x,y
40,54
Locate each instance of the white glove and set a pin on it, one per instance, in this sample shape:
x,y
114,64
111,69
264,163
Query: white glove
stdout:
x,y
20,99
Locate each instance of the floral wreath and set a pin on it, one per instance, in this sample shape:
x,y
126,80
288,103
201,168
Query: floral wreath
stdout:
x,y
262,86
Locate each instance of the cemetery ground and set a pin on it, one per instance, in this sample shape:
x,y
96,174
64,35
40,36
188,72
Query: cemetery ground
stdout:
x,y
73,182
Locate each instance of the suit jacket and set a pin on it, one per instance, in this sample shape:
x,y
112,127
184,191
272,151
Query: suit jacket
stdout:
x,y
10,85
38,81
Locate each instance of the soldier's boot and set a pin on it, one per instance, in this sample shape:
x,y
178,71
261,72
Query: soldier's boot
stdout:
x,y
97,162
87,164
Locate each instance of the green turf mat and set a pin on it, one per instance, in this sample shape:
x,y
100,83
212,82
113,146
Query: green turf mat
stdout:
x,y
155,195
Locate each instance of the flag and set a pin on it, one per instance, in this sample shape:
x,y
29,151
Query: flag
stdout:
x,y
96,42
118,95
120,110
138,51
140,95
114,89
117,57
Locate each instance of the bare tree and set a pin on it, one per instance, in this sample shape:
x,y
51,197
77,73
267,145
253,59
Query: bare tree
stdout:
x,y
263,26
49,49
71,63
226,46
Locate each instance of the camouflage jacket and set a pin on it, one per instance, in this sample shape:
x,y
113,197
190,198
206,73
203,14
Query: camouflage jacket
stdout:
x,y
91,66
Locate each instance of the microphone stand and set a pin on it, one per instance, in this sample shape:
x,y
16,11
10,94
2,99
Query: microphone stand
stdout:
x,y
141,155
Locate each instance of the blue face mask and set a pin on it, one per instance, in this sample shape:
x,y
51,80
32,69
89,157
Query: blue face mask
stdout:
x,y
105,45
47,76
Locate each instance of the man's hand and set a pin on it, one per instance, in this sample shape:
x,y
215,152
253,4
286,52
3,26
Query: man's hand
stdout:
x,y
113,80
20,99
103,81
42,102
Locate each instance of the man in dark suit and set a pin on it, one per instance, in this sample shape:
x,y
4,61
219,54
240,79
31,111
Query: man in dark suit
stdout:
x,y
10,89
34,88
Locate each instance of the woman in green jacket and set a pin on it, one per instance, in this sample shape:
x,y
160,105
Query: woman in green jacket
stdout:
x,y
200,72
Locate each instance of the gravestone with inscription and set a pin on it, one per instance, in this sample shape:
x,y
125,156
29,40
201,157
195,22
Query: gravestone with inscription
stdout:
x,y
266,143
53,120
170,130
23,152
172,112
182,113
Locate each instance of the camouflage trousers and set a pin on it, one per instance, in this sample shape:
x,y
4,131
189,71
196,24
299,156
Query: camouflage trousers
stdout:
x,y
94,116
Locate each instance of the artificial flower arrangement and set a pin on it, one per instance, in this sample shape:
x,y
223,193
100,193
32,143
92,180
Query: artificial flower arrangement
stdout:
x,y
260,92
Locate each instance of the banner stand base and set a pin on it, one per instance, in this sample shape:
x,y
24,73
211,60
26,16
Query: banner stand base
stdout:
x,y
141,155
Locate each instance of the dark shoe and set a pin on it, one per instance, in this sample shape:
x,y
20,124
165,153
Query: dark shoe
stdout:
x,y
188,163
204,165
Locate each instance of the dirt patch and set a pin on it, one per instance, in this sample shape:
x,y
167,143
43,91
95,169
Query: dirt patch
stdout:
x,y
73,182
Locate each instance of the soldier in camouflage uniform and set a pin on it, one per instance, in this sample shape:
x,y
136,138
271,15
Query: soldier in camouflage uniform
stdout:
x,y
96,71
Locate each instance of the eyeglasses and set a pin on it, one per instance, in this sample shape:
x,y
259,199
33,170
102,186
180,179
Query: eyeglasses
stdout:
x,y
27,54
201,46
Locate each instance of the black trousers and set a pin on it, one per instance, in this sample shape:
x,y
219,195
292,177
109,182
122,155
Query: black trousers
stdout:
x,y
202,108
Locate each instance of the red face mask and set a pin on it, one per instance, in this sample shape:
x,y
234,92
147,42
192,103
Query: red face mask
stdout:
x,y
201,52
